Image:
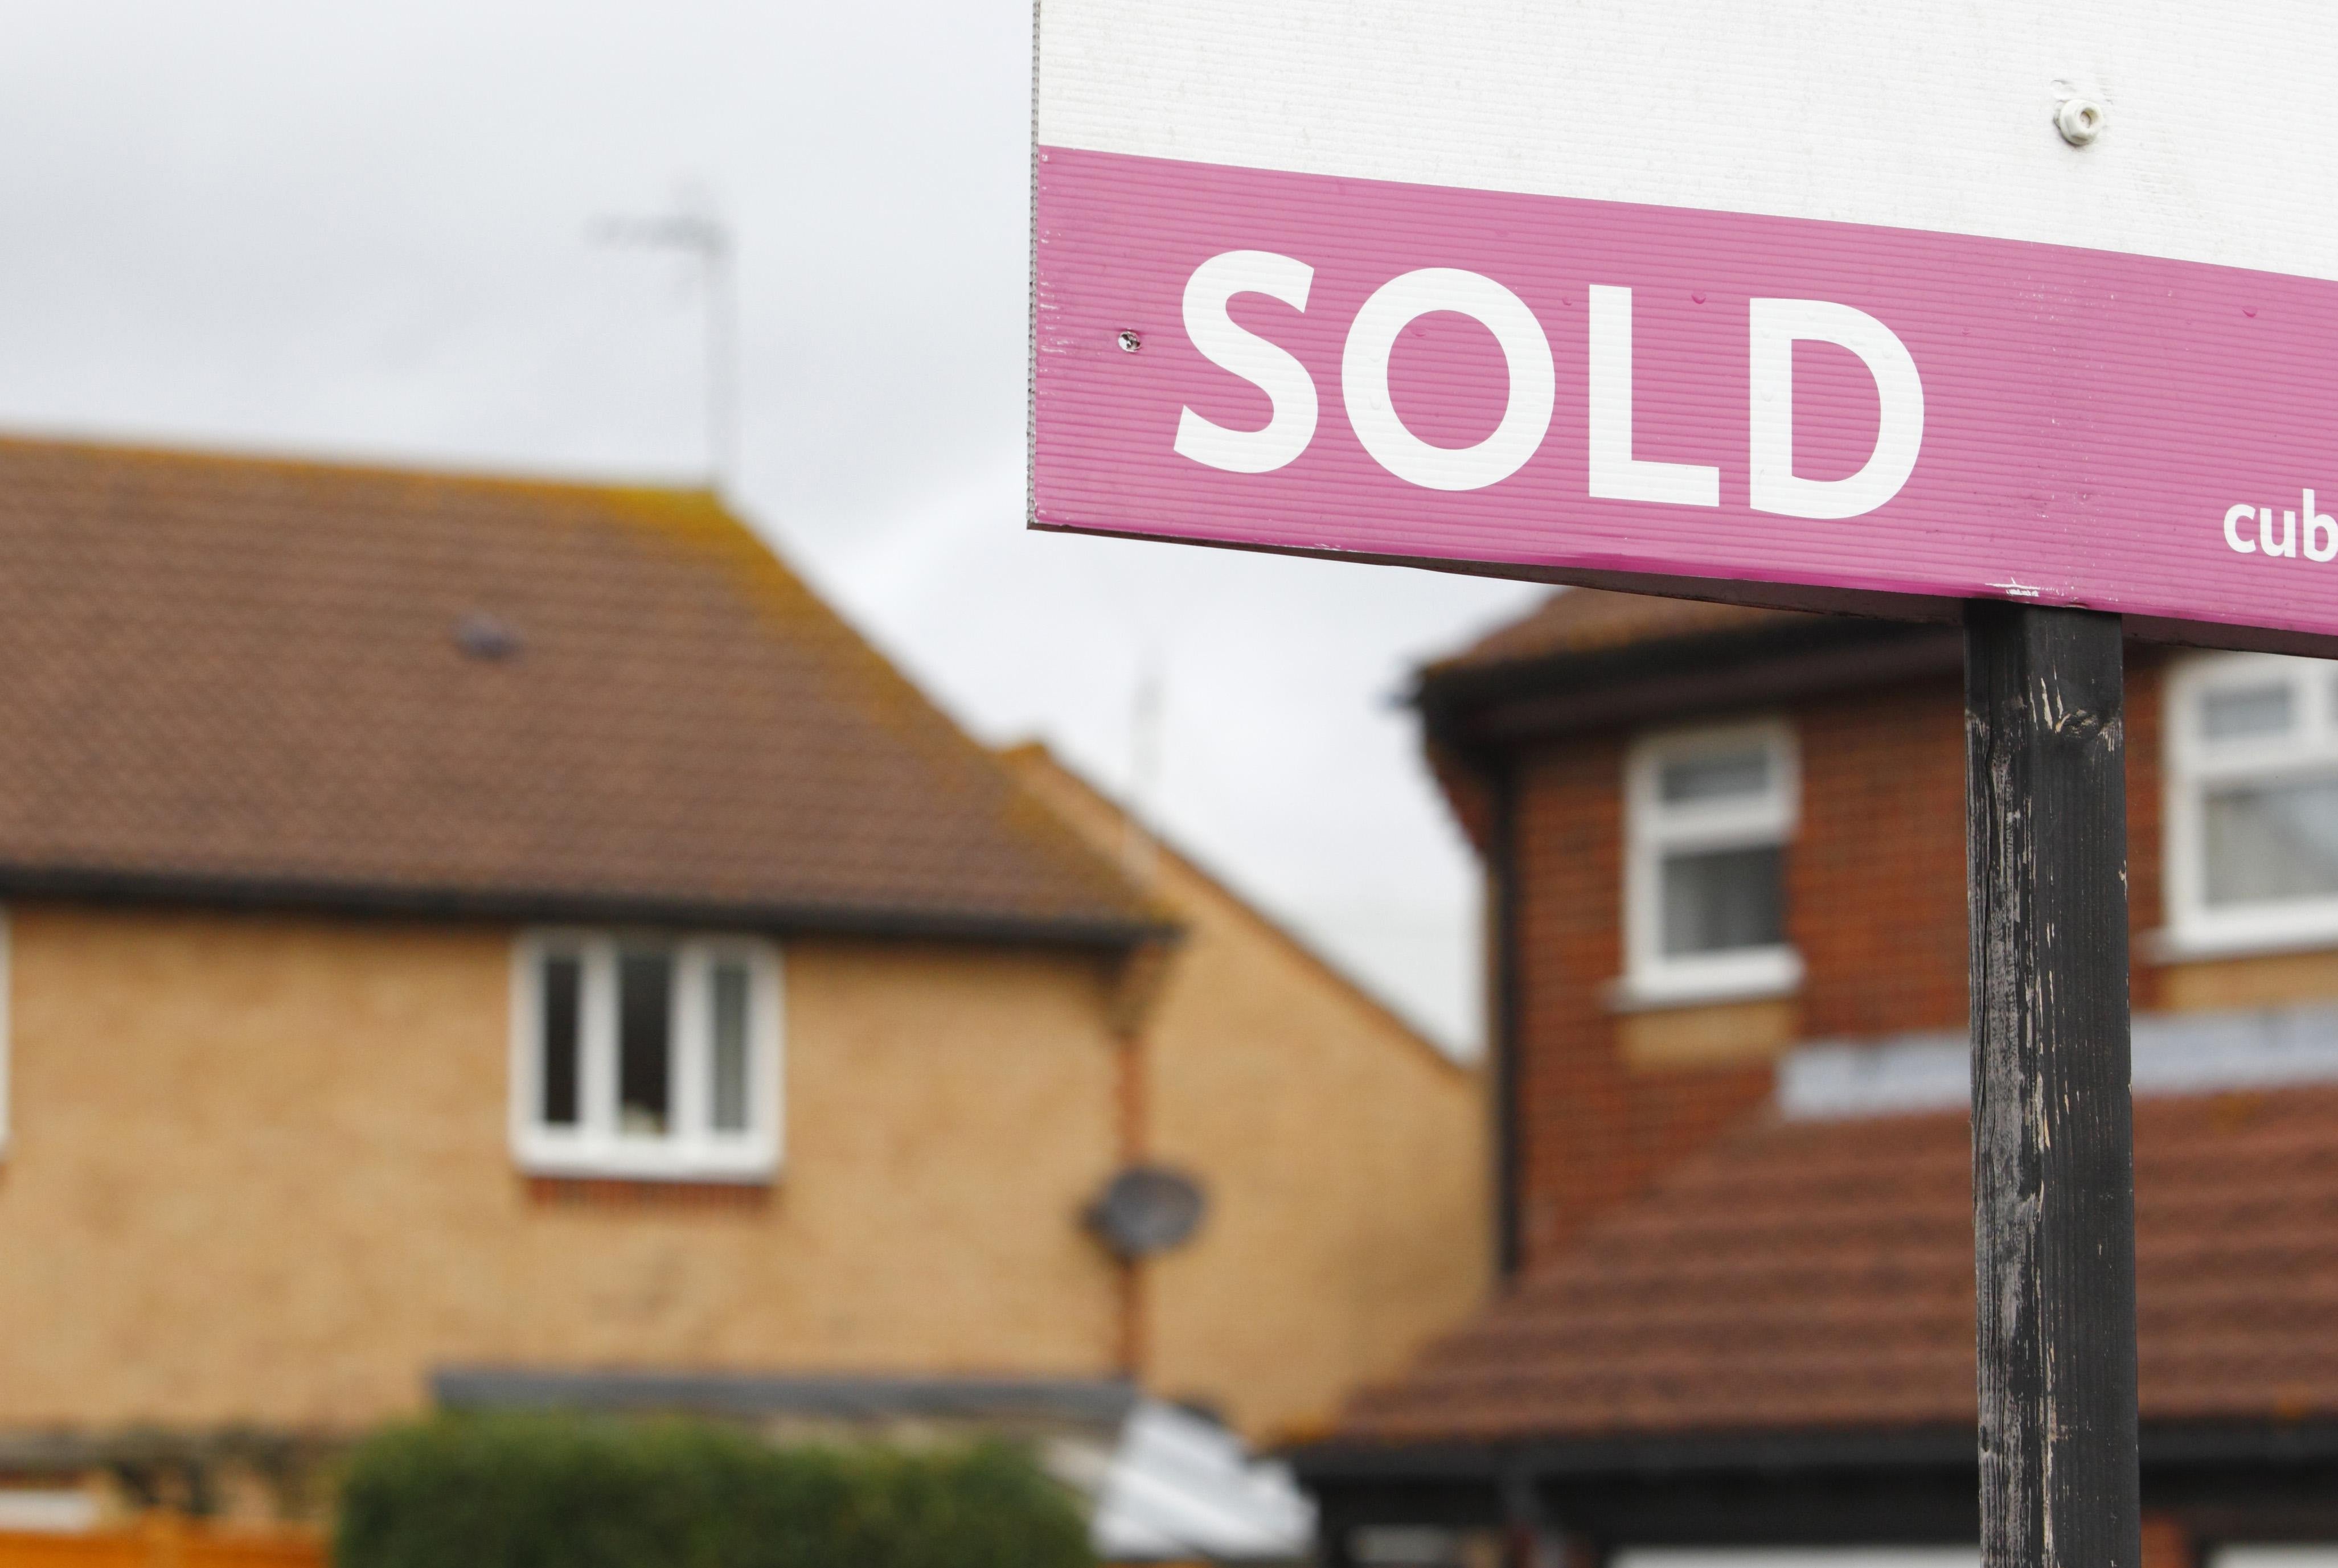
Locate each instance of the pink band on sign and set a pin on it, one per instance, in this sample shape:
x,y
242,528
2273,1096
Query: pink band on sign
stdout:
x,y
1596,391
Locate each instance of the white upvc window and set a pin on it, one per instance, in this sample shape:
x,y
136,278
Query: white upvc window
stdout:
x,y
2251,803
1708,813
646,1056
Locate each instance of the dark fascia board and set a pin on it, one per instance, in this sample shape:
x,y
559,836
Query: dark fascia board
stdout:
x,y
1102,1403
557,906
1481,709
1336,1464
1907,1487
1491,709
2165,1444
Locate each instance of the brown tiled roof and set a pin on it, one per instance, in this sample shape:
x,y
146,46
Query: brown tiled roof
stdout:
x,y
1819,1275
1595,620
285,680
1103,821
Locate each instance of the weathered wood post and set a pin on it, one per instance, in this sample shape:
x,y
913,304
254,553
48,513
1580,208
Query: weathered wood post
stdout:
x,y
2053,1145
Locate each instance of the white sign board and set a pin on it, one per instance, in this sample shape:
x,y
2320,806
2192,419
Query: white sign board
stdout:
x,y
1854,304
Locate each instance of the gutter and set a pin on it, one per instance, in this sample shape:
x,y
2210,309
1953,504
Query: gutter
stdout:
x,y
1114,934
2164,1445
1475,710
1507,1046
1103,1404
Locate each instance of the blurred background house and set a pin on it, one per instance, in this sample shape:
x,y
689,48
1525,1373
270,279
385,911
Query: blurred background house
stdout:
x,y
1343,1154
1728,851
500,943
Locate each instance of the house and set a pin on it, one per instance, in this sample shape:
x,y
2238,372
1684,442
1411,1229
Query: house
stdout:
x,y
1727,849
499,943
1346,1153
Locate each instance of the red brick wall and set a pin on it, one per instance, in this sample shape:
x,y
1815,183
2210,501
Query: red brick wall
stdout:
x,y
1593,1132
1875,903
1875,878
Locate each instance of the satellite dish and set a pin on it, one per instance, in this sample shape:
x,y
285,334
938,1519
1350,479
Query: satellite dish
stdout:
x,y
1147,1209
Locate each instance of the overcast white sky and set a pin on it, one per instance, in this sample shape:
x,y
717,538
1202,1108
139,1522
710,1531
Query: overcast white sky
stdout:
x,y
351,229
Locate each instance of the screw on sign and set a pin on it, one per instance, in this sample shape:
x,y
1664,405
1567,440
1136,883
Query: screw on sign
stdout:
x,y
1896,324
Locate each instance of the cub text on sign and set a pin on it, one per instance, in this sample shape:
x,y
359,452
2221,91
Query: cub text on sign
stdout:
x,y
1441,283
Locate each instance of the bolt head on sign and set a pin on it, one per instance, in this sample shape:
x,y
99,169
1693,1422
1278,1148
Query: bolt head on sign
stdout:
x,y
1815,303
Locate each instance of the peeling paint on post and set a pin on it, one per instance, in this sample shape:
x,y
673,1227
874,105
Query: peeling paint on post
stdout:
x,y
2053,1145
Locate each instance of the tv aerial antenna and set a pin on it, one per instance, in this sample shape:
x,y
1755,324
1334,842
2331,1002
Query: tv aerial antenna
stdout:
x,y
695,229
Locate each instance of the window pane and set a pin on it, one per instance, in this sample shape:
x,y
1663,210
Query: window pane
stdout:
x,y
1716,776
644,1042
2271,841
729,1013
1723,899
2243,711
560,987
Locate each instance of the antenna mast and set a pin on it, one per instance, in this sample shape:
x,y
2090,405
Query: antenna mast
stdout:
x,y
698,230
1140,852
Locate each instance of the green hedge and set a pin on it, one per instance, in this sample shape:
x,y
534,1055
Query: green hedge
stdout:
x,y
530,1492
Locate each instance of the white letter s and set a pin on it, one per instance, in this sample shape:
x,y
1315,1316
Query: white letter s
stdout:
x,y
1267,365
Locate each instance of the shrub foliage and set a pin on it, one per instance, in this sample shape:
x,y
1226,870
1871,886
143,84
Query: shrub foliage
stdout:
x,y
538,1492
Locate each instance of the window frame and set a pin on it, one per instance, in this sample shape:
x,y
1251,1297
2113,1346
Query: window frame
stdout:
x,y
690,1151
1652,828
2193,765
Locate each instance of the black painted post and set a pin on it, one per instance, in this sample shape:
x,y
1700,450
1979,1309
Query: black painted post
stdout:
x,y
2053,1145
1334,1536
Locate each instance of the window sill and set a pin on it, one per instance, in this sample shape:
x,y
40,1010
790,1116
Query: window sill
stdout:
x,y
2170,946
701,1166
1650,994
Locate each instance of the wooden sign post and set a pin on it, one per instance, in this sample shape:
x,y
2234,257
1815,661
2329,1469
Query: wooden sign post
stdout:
x,y
1986,313
2053,1139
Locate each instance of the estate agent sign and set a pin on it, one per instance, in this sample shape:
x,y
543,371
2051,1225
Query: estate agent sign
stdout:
x,y
1860,306
2020,312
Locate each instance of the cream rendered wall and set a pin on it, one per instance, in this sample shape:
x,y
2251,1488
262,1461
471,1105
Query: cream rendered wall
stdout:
x,y
260,1173
1346,1160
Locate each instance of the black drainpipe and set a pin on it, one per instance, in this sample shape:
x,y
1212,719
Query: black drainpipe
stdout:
x,y
1502,1029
